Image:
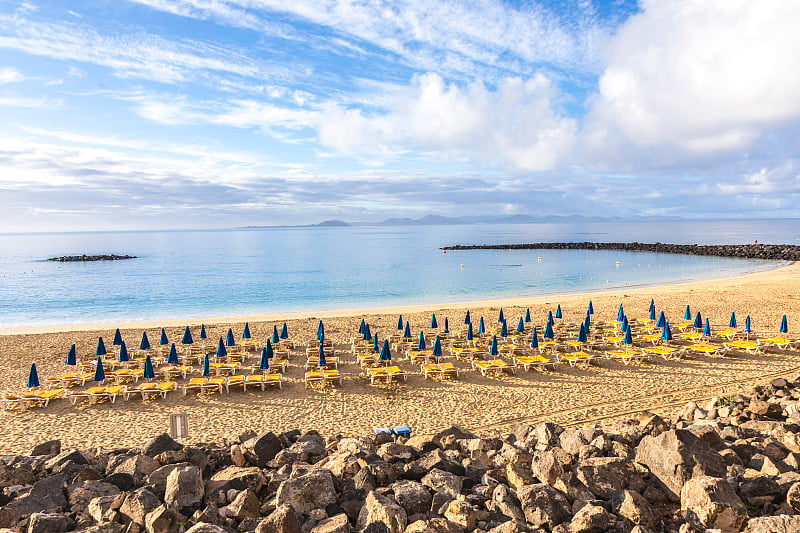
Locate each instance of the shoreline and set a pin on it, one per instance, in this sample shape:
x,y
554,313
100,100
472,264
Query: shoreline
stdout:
x,y
390,309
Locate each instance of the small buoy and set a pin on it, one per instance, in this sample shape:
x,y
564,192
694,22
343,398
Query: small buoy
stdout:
x,y
462,265
539,258
619,263
444,251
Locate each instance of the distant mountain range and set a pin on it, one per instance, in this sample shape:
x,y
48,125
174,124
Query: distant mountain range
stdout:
x,y
438,220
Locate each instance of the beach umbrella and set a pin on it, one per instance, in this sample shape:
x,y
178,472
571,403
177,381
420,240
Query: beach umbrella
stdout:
x,y
99,373
275,337
707,329
33,376
504,329
493,346
375,342
467,319
386,353
470,335
221,351
361,326
732,321
550,318
534,338
590,308
421,342
163,340
437,347
270,353
230,340
558,311
446,326
145,344
206,371
666,334
652,307
434,324
527,315
172,358
620,313
687,315
320,331
481,327
284,332
101,347
628,337
784,328
407,331
581,334
187,336
123,353
500,316
747,325
203,335
149,373
548,331
520,325
246,331
321,356
400,322
367,333
661,320
117,338
625,325
71,358
652,312
586,323
263,363
698,321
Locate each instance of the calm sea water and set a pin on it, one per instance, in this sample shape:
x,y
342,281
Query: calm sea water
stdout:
x,y
196,274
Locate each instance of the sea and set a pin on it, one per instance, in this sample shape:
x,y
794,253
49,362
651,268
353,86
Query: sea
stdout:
x,y
235,272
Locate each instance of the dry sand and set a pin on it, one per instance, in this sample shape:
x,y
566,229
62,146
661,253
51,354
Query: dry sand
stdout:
x,y
569,395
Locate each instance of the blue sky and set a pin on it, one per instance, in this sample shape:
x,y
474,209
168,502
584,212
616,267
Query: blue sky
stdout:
x,y
124,114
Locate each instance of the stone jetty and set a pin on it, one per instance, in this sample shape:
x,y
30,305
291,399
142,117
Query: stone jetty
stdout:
x,y
776,252
731,464
74,258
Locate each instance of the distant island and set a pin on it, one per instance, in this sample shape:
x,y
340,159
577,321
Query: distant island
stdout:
x,y
76,258
323,224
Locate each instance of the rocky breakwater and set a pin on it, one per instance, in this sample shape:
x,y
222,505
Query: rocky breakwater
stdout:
x,y
76,258
775,252
731,465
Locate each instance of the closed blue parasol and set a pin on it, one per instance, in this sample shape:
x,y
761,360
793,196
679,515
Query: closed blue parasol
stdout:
x,y
407,331
481,327
437,347
628,337
99,373
550,318
275,337
504,329
500,316
172,358
698,321
145,344
117,338
101,347
521,325
661,320
666,333
321,362
284,331
400,323
221,351
534,338
747,325
123,353
33,377
421,341
493,346
446,326
625,325
687,315
320,331
527,315
467,319
361,326
263,363
434,323
652,312
470,335
149,373
590,308
620,313
707,329
581,334
71,357
652,305
558,311
784,326
269,350
386,353
203,335
187,336
230,340
367,333
246,331
732,321
587,322
206,371
375,343
548,331
163,340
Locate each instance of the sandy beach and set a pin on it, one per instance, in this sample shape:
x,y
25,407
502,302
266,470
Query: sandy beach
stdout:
x,y
568,395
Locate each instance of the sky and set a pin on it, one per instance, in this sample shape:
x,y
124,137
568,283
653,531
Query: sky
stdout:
x,y
156,114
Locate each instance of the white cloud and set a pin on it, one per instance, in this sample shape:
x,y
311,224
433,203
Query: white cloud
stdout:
x,y
23,101
10,75
697,77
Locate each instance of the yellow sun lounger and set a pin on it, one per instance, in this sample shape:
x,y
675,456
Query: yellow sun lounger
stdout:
x,y
780,343
174,371
155,389
213,385
388,372
627,357
711,350
752,347
666,352
194,384
95,393
533,361
654,338
126,374
395,373
36,398
438,369
332,376
313,377
578,358
367,359
376,373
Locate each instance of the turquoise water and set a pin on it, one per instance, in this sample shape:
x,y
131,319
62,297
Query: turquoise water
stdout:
x,y
195,274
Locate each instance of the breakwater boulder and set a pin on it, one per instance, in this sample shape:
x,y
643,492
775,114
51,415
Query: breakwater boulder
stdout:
x,y
775,252
730,464
76,258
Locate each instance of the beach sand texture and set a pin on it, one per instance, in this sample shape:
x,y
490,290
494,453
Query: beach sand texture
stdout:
x,y
568,395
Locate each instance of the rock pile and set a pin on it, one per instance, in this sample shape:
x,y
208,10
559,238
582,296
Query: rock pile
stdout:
x,y
729,466
84,257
